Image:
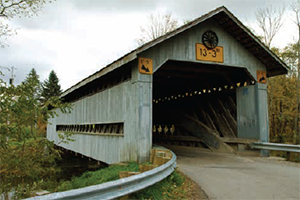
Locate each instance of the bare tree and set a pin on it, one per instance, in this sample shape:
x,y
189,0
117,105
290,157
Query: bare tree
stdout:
x,y
16,8
158,25
269,21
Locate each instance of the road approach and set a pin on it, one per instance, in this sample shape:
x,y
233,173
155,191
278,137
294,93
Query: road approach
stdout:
x,y
227,176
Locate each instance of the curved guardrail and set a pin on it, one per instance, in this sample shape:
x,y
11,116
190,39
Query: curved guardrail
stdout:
x,y
118,188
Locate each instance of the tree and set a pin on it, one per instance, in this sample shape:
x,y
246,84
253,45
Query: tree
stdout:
x,y
284,97
296,9
270,21
157,26
51,87
26,159
33,79
17,8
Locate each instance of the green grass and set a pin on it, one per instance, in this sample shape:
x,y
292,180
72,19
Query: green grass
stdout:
x,y
110,173
169,188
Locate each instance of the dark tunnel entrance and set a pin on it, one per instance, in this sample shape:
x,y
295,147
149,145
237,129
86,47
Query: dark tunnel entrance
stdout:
x,y
195,104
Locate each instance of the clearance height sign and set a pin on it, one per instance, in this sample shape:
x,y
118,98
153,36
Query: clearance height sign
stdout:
x,y
212,55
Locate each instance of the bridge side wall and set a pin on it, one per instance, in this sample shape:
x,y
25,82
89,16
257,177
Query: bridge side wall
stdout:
x,y
121,103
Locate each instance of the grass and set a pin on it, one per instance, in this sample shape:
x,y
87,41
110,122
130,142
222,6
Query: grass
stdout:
x,y
169,188
89,178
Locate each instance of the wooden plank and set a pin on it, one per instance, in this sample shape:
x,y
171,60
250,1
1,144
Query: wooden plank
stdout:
x,y
123,174
230,131
178,138
195,115
238,140
226,119
205,134
152,155
223,126
204,117
208,121
144,168
220,122
214,116
232,122
160,160
214,127
232,104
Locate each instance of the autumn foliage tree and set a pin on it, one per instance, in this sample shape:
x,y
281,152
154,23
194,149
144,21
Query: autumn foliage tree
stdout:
x,y
284,115
284,101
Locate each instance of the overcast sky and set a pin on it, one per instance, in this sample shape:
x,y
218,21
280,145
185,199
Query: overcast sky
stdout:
x,y
75,38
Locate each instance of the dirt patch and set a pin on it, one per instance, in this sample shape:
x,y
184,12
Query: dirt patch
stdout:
x,y
192,189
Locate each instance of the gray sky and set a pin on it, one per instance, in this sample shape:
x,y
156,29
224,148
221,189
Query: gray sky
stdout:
x,y
76,38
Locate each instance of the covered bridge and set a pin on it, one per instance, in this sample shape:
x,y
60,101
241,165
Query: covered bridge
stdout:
x,y
202,84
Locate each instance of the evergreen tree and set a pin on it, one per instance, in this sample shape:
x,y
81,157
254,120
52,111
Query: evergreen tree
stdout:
x,y
33,79
51,87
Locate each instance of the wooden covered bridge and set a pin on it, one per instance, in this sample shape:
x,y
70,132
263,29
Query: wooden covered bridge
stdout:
x,y
202,84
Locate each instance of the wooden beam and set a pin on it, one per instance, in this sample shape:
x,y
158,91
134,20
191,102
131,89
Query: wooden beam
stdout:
x,y
238,140
176,138
205,134
196,68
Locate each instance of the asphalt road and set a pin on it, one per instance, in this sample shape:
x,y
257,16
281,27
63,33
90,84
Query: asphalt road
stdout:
x,y
225,176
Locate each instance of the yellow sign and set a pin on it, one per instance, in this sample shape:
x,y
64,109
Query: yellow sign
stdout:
x,y
205,54
145,66
261,76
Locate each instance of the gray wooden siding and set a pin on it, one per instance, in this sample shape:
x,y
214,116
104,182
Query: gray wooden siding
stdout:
x,y
116,104
182,47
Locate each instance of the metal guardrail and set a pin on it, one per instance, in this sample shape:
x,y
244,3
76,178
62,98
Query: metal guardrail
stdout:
x,y
276,146
118,188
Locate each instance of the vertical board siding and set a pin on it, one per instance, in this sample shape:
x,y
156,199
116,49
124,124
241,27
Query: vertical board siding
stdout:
x,y
247,116
111,105
183,47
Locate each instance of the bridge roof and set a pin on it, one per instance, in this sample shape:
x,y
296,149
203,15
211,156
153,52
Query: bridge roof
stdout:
x,y
223,17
